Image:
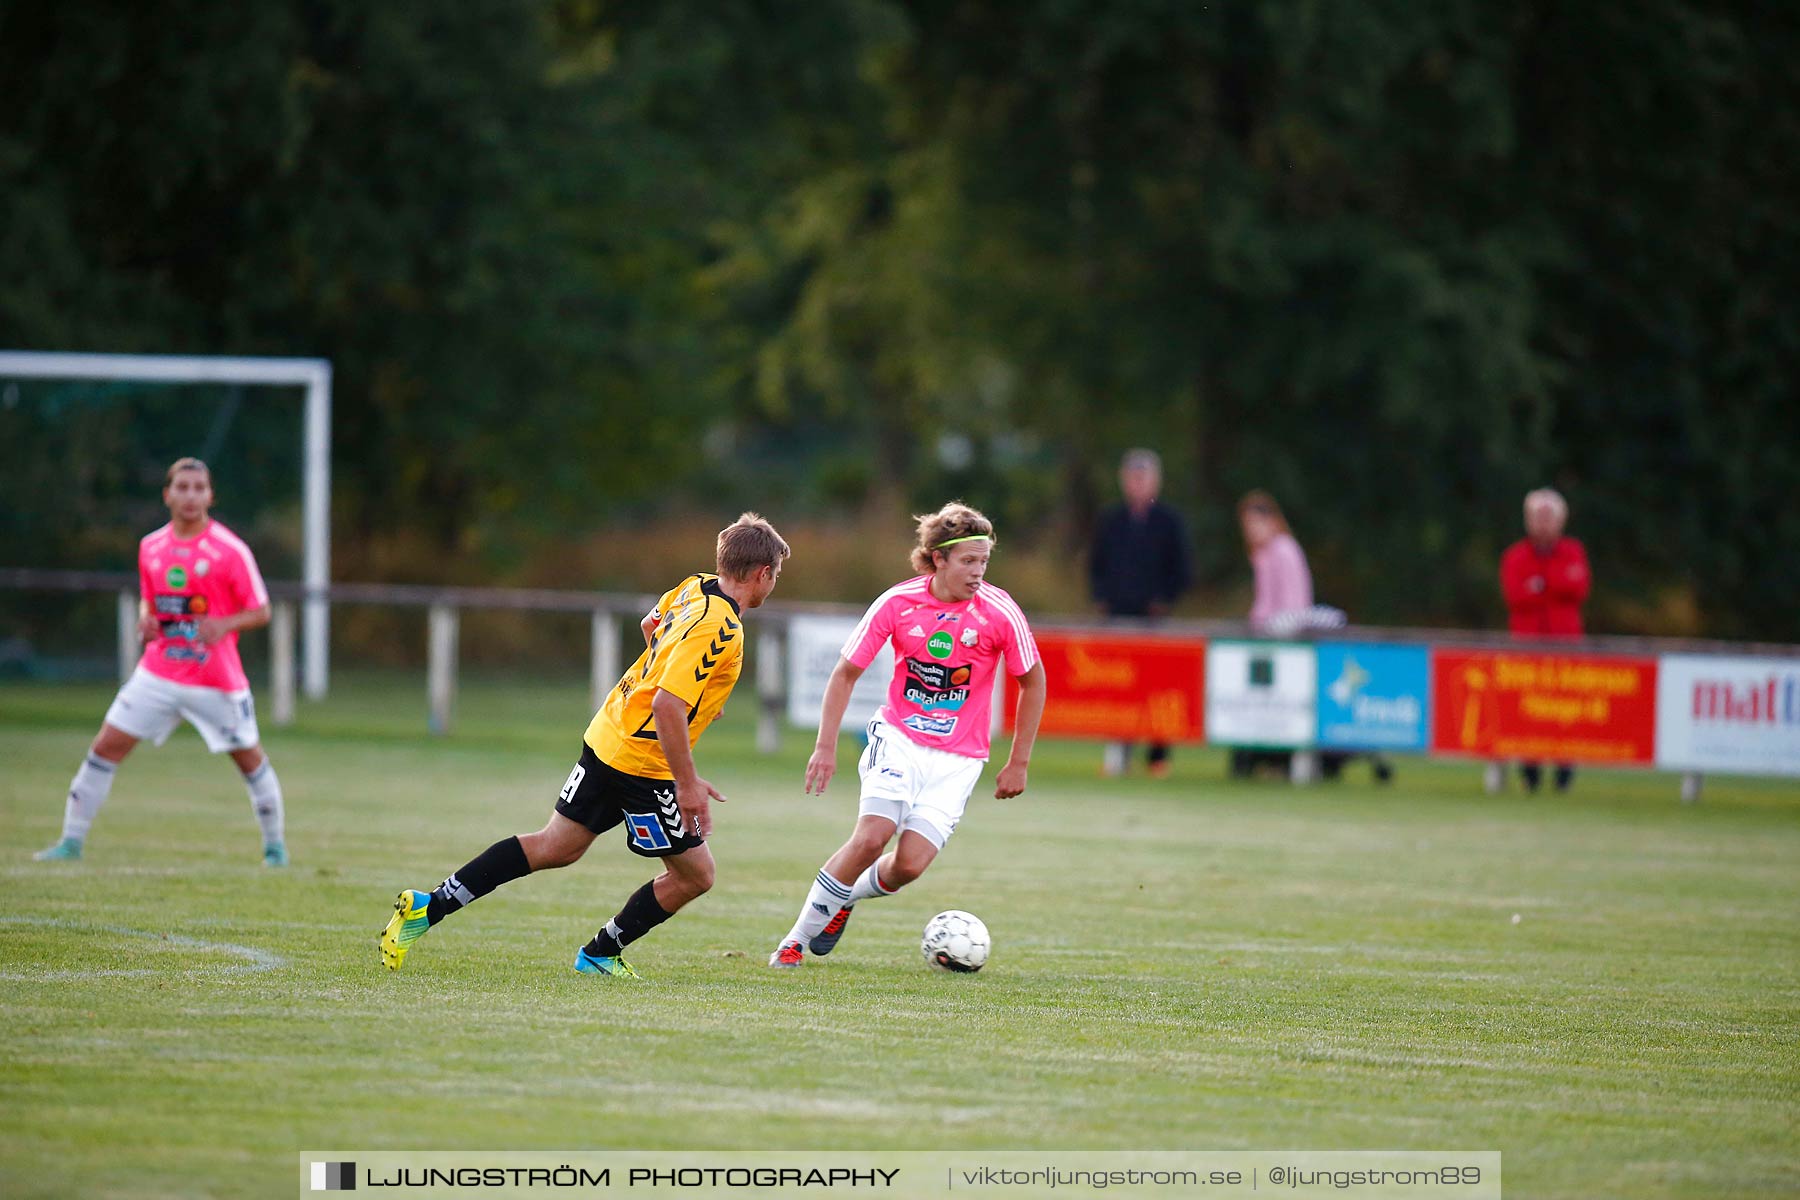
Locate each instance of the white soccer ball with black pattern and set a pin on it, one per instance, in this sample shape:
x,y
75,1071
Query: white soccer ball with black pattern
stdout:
x,y
956,941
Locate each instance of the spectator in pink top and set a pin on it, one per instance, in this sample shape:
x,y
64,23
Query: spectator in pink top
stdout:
x,y
198,586
1283,582
1283,606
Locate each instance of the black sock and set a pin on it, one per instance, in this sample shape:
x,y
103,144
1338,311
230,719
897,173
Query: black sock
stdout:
x,y
640,915
502,862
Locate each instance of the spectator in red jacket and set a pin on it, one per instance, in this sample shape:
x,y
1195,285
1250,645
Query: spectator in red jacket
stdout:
x,y
1544,574
1545,578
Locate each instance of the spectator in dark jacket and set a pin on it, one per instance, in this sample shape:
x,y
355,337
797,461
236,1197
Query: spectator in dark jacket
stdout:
x,y
1139,565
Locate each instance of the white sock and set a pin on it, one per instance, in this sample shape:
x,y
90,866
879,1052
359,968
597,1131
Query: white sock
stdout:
x,y
868,886
87,792
265,798
826,896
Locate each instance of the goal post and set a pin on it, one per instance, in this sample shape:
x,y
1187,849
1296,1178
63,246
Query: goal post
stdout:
x,y
312,374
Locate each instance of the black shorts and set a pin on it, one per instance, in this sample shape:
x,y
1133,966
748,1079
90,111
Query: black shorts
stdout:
x,y
599,797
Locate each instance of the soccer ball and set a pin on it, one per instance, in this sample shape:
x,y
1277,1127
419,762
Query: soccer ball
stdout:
x,y
955,941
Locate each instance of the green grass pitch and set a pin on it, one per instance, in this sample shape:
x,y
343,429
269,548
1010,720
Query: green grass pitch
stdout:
x,y
1603,986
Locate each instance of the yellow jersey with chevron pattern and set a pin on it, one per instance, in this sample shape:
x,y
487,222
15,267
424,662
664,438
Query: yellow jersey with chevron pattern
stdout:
x,y
696,652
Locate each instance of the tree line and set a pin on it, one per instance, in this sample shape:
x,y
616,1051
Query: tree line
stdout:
x,y
576,261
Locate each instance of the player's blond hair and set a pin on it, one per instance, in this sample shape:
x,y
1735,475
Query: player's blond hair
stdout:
x,y
954,522
747,545
190,463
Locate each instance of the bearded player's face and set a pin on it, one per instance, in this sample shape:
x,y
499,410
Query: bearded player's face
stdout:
x,y
189,495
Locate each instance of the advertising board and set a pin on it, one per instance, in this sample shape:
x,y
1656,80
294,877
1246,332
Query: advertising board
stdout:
x,y
1373,697
1529,705
814,645
1721,713
1261,694
1119,687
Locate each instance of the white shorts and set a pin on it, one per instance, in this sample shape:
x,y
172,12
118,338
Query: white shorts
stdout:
x,y
149,707
914,786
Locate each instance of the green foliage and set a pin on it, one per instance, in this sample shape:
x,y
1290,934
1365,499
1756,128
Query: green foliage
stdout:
x,y
1397,264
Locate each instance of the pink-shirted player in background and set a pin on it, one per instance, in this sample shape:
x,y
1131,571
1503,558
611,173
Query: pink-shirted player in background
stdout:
x,y
950,631
199,586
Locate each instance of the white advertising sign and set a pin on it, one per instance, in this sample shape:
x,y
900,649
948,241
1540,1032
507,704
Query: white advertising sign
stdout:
x,y
1716,713
1261,694
814,646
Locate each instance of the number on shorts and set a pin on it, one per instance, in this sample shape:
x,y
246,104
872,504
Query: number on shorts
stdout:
x,y
573,782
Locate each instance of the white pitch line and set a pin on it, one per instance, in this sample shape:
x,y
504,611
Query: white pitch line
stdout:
x,y
254,960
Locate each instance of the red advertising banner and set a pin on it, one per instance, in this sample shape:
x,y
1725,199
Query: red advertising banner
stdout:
x,y
1559,707
1129,688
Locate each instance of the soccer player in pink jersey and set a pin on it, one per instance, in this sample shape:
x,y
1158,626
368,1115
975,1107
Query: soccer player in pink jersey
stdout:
x,y
951,631
198,586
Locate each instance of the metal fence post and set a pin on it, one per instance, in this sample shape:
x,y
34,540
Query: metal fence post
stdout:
x,y
770,690
440,684
130,649
281,662
603,656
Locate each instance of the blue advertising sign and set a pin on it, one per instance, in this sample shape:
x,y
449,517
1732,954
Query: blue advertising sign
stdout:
x,y
1373,697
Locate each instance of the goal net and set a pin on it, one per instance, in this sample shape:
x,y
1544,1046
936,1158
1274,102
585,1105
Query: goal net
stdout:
x,y
89,437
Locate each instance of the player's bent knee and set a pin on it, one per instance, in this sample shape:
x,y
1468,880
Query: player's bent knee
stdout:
x,y
545,853
567,854
112,743
692,873
699,880
907,867
899,874
867,844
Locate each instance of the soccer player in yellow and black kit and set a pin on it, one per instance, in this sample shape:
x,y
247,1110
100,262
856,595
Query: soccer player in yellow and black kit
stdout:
x,y
637,762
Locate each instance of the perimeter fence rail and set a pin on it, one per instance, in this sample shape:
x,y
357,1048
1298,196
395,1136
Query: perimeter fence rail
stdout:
x,y
1682,705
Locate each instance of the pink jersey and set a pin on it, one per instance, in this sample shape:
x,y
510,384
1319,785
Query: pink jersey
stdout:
x,y
944,658
1283,581
185,579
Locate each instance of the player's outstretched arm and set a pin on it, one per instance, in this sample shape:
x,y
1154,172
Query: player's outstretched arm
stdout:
x,y
1032,691
693,795
823,763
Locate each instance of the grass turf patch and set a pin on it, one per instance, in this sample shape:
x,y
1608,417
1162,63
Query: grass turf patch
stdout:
x,y
1188,963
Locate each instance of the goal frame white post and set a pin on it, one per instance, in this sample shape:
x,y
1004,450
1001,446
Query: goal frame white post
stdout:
x,y
312,374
